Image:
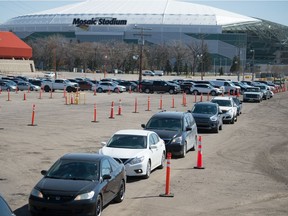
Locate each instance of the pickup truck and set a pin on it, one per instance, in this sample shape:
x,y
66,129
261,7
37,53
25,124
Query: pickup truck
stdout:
x,y
60,84
253,94
159,86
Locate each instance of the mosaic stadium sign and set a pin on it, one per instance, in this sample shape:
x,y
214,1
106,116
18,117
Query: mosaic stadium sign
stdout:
x,y
98,21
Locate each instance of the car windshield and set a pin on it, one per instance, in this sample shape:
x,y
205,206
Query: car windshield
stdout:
x,y
165,124
74,170
225,103
127,141
204,109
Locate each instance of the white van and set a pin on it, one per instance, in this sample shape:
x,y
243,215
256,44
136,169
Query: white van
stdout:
x,y
227,86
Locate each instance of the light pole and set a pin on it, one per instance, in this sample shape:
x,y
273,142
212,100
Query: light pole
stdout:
x,y
253,58
200,56
141,43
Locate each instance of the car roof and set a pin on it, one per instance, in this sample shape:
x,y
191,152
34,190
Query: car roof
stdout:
x,y
133,132
206,103
169,114
222,98
83,156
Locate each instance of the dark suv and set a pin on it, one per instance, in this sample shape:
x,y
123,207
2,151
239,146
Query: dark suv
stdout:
x,y
160,86
208,116
177,129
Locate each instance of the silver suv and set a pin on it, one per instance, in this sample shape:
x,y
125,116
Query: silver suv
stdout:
x,y
228,108
205,89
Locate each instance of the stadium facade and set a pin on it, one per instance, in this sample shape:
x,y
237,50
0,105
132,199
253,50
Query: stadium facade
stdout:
x,y
226,34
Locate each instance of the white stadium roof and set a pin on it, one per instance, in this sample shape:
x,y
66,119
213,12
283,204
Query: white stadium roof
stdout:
x,y
167,12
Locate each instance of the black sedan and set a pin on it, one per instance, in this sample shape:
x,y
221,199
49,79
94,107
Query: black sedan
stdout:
x,y
78,184
5,209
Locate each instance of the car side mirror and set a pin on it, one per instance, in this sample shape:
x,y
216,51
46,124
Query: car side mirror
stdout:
x,y
143,125
106,176
153,147
188,128
44,172
103,143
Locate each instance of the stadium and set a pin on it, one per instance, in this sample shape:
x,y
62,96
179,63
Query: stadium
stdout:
x,y
226,34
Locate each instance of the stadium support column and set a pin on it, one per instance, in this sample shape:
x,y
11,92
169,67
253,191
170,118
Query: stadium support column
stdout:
x,y
141,34
253,60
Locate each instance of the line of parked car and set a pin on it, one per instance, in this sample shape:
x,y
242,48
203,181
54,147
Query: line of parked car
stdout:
x,y
84,183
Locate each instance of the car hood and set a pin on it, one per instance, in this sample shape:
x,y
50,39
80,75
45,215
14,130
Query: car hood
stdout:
x,y
201,115
123,153
166,134
65,185
224,108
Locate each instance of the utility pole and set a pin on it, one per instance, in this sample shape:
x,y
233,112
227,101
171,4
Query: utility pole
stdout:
x,y
141,34
253,59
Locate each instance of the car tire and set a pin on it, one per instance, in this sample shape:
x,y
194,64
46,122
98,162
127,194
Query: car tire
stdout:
x,y
221,127
171,91
100,90
147,90
69,89
121,193
213,93
184,150
195,92
148,170
162,161
47,88
187,91
216,130
232,120
98,210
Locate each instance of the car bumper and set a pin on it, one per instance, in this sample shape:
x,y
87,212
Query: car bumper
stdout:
x,y
139,169
227,117
175,149
69,208
207,126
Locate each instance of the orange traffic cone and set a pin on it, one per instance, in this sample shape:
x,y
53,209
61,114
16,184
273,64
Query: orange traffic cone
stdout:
x,y
199,157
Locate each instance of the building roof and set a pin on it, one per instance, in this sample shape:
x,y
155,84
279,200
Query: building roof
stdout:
x,y
13,47
168,12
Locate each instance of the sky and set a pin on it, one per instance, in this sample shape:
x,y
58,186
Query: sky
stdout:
x,y
275,11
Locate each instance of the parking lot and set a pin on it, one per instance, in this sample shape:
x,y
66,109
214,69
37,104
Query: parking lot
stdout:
x,y
246,164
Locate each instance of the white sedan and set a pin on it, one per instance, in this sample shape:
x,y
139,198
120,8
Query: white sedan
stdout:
x,y
141,151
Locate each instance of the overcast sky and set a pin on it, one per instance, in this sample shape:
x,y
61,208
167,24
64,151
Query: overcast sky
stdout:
x,y
275,11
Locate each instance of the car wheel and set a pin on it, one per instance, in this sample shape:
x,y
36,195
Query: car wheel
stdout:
x,y
121,193
147,90
216,130
162,161
116,90
195,92
187,91
232,120
184,150
213,93
98,210
100,90
171,91
69,89
236,118
148,170
46,88
221,127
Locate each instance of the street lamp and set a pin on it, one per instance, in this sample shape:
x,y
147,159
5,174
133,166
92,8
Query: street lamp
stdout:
x,y
253,58
200,56
141,43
